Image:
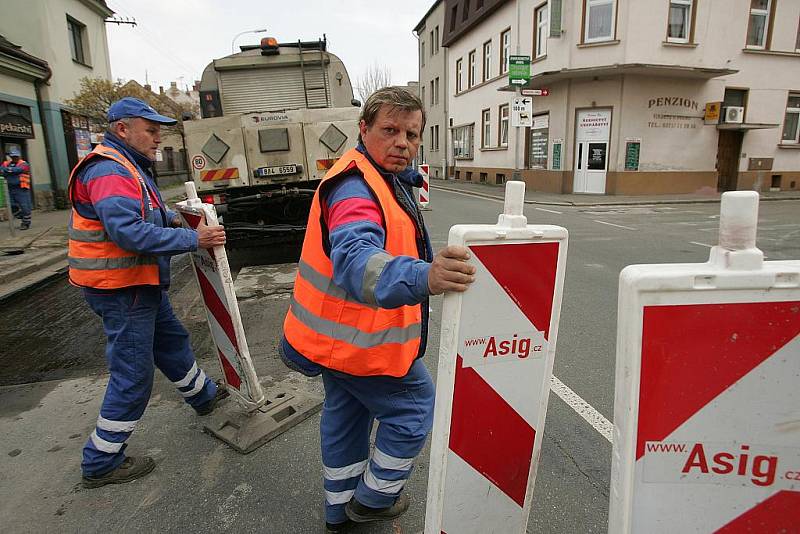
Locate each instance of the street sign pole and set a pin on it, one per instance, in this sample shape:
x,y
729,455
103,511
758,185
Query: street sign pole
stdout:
x,y
519,74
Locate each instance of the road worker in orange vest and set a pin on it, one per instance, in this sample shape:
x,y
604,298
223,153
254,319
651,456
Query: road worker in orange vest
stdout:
x,y
359,313
121,238
17,172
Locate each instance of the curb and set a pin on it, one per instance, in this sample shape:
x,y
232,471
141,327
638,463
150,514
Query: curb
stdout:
x,y
32,282
608,203
40,262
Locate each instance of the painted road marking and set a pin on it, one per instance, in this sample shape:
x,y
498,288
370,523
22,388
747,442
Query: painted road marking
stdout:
x,y
617,225
700,244
583,408
549,211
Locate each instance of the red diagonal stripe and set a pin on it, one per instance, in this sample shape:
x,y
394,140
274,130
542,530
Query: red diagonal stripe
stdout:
x,y
193,220
229,173
778,513
488,434
527,273
692,353
231,376
217,308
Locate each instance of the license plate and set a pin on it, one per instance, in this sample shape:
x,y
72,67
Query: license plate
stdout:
x,y
278,170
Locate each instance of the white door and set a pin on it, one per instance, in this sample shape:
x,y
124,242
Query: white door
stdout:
x,y
591,151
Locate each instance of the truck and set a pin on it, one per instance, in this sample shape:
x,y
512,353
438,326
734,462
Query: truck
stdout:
x,y
274,118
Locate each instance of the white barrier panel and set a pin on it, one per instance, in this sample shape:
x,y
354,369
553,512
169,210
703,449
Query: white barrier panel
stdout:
x,y
706,420
425,190
495,362
216,286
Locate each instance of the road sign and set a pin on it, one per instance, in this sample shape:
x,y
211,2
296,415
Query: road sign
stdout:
x,y
534,92
495,364
199,162
519,70
522,111
425,189
705,413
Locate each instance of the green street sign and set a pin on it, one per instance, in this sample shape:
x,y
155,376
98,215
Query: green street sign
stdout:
x,y
519,70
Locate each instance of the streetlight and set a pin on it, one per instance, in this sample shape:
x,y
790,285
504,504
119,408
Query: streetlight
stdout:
x,y
233,48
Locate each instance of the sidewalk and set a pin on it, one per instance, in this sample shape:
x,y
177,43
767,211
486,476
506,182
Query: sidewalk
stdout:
x,y
39,255
572,199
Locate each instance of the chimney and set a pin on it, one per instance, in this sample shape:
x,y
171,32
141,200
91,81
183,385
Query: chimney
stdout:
x,y
161,89
173,85
148,87
196,86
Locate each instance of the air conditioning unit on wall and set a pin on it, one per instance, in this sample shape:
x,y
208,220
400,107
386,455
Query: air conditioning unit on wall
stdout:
x,y
733,114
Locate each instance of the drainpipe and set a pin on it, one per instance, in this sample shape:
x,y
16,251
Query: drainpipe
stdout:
x,y
58,201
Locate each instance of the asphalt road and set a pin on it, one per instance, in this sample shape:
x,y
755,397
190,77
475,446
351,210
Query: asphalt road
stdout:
x,y
52,348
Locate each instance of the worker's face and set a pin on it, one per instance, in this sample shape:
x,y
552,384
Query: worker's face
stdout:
x,y
393,139
142,135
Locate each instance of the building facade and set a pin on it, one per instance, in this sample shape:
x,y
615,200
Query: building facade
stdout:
x,y
45,50
645,97
433,89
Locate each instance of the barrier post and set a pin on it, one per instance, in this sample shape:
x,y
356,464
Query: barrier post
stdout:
x,y
258,416
496,355
425,189
706,421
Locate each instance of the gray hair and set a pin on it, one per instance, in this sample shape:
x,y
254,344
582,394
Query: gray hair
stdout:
x,y
112,126
397,98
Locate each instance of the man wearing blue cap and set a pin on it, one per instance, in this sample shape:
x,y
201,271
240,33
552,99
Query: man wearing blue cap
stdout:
x,y
18,175
121,238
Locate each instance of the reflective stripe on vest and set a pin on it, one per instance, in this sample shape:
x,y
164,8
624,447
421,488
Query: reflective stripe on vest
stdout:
x,y
94,259
330,327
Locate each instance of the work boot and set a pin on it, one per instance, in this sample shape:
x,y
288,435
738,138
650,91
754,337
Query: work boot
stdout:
x,y
208,407
338,528
131,468
25,226
364,514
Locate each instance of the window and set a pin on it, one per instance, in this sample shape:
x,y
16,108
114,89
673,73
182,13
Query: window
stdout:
x,y
435,41
758,25
679,24
541,29
422,93
462,141
454,14
436,90
502,135
459,86
505,48
471,79
432,93
77,34
487,60
433,44
486,128
598,21
421,53
465,13
791,123
436,137
537,150
431,143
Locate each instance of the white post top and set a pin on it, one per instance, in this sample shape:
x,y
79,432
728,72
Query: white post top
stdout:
x,y
738,222
191,194
512,216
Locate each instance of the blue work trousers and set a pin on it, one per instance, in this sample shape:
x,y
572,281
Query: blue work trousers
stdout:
x,y
20,203
404,410
142,333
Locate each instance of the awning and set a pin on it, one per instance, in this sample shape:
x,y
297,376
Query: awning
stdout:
x,y
541,79
746,126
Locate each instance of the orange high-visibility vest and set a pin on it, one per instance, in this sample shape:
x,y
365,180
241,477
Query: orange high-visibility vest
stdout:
x,y
94,259
328,326
24,178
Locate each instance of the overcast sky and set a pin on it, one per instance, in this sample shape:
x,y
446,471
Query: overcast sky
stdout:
x,y
174,40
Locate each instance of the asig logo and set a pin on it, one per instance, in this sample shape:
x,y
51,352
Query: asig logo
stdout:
x,y
499,346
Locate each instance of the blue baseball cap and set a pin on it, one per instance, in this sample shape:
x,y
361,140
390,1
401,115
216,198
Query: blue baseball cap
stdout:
x,y
15,152
133,107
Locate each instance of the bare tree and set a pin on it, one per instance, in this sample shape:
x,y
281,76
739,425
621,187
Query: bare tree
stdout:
x,y
375,77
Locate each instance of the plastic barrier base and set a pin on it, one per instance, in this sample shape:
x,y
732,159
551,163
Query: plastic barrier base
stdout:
x,y
245,432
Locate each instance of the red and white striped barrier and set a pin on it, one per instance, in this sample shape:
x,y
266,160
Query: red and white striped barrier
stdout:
x,y
216,287
425,190
706,420
495,363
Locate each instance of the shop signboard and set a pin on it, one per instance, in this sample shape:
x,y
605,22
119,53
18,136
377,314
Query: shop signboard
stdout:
x,y
558,145
632,148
